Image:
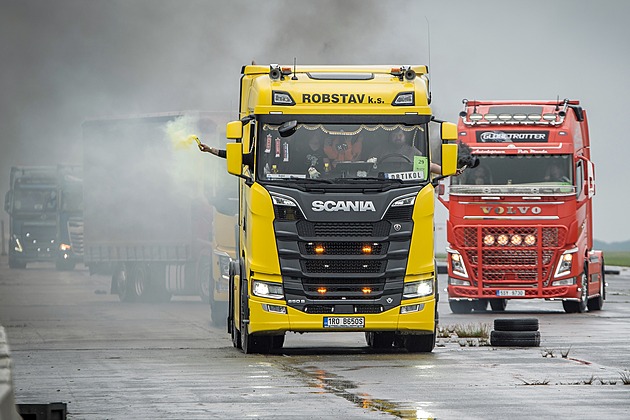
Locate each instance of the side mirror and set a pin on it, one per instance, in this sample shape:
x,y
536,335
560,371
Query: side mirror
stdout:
x,y
234,156
234,130
287,129
449,131
449,159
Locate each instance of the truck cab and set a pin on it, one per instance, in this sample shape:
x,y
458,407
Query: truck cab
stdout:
x,y
336,203
521,223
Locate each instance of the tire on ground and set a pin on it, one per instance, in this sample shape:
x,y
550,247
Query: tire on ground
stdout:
x,y
516,324
515,338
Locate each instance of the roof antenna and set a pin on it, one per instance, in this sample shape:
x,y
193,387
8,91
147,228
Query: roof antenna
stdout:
x,y
429,51
557,102
294,69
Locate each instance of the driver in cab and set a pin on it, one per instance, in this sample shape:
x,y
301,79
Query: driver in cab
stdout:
x,y
400,149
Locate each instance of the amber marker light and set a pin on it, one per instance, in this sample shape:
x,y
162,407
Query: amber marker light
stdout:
x,y
366,290
367,249
321,290
319,249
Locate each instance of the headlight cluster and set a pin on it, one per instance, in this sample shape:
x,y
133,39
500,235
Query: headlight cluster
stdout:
x,y
507,239
416,289
457,263
267,289
565,264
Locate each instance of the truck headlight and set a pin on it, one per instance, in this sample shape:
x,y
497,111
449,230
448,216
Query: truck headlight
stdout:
x,y
457,263
224,264
566,262
416,289
267,289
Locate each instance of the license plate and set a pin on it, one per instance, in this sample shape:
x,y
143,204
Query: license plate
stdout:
x,y
344,322
510,292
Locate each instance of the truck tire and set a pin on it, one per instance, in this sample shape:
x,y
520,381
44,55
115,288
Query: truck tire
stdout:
x,y
140,280
515,338
516,324
380,340
13,263
419,343
498,305
277,341
64,265
234,332
460,306
255,343
204,276
597,303
121,284
480,305
572,306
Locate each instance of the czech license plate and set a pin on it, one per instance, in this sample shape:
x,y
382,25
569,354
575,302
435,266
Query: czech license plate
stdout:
x,y
510,292
344,322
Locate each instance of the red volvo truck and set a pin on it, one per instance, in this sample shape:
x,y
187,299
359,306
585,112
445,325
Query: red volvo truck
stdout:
x,y
521,223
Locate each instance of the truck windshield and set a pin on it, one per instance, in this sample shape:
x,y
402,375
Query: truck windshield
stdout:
x,y
342,151
519,169
34,200
72,201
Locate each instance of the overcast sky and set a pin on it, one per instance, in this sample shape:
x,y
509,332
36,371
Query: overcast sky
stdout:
x,y
64,61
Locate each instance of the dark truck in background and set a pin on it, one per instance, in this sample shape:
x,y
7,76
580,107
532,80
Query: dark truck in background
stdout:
x,y
147,192
45,205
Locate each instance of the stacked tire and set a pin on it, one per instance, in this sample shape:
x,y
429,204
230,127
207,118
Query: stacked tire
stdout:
x,y
515,332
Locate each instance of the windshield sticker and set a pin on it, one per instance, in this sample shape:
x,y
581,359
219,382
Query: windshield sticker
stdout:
x,y
286,176
405,176
420,164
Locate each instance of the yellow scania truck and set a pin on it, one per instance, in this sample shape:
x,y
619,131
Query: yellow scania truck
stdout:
x,y
336,205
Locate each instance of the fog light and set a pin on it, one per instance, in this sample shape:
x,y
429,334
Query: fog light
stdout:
x,y
565,282
503,239
516,240
458,282
411,308
276,309
530,240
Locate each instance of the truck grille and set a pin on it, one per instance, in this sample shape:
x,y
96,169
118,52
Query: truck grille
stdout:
x,y
333,229
342,248
343,266
515,263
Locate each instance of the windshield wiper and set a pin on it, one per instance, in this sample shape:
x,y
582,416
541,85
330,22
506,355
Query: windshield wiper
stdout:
x,y
354,179
312,180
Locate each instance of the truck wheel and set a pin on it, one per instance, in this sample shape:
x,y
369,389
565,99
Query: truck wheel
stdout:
x,y
498,305
460,306
141,282
420,343
277,341
13,263
204,277
571,306
255,343
64,265
480,305
380,340
122,285
597,303
515,338
516,324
